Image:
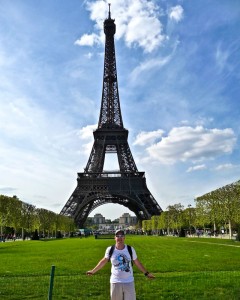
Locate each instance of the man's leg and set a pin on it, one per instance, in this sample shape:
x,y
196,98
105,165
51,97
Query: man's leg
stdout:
x,y
129,291
116,291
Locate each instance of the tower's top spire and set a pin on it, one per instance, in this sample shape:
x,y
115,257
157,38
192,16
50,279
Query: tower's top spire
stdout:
x,y
109,11
109,25
110,113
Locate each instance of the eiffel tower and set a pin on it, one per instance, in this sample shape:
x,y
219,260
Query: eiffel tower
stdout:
x,y
95,186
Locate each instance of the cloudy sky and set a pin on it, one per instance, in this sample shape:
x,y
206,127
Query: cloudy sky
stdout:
x,y
178,75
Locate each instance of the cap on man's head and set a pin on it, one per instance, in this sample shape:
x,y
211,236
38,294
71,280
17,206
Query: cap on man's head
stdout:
x,y
119,231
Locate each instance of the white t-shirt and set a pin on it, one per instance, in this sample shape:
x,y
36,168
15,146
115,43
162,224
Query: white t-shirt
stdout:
x,y
121,270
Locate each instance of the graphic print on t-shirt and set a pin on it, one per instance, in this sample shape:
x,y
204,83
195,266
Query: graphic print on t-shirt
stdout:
x,y
122,263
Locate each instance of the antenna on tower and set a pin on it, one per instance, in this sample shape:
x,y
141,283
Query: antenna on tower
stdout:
x,y
109,12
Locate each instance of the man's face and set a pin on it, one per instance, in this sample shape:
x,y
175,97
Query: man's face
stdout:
x,y
119,237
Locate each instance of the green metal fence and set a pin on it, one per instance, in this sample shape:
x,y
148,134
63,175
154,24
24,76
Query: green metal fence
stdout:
x,y
173,285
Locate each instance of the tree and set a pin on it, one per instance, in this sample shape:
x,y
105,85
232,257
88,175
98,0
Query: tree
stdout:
x,y
144,225
175,216
28,218
154,226
4,200
47,221
163,221
189,218
149,226
229,196
221,206
14,213
202,212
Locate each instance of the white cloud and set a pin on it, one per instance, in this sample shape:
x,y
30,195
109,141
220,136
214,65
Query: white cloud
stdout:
x,y
196,168
88,40
192,144
144,31
176,13
144,138
224,167
86,135
148,65
86,132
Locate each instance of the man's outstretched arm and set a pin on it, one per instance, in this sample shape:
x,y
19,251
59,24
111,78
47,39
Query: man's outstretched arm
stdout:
x,y
142,269
99,266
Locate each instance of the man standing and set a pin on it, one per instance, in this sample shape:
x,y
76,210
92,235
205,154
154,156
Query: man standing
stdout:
x,y
121,280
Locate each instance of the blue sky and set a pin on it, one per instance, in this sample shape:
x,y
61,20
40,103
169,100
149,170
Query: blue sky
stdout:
x,y
178,76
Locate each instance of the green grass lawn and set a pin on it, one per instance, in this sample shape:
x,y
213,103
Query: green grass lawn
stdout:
x,y
185,268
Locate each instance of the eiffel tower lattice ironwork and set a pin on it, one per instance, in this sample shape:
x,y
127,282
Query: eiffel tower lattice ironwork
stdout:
x,y
95,186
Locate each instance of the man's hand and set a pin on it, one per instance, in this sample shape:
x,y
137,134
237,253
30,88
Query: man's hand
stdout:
x,y
89,273
150,276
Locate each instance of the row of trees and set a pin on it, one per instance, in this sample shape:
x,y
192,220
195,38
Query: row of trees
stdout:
x,y
26,218
221,206
173,220
217,210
